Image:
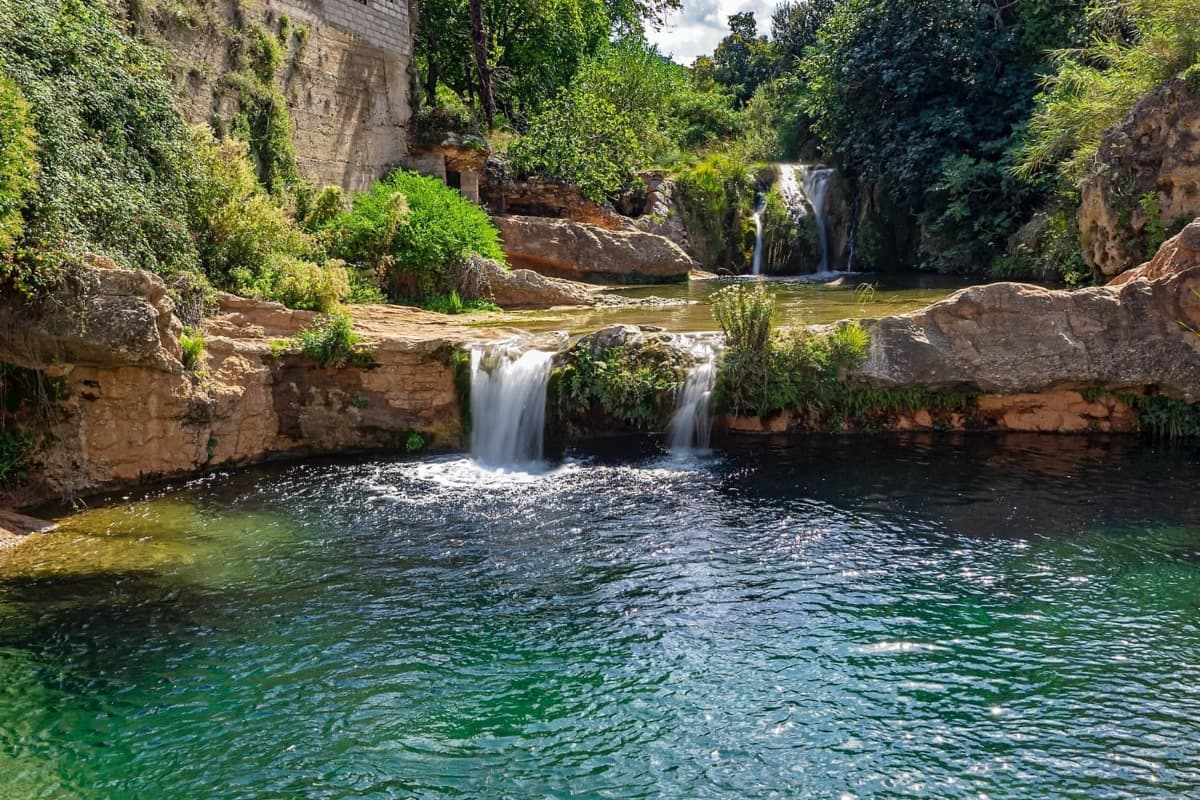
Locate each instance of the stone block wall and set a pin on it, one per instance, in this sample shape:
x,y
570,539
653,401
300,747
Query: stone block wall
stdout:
x,y
346,79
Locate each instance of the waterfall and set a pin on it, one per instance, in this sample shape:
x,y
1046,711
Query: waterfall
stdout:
x,y
804,189
691,425
756,261
508,404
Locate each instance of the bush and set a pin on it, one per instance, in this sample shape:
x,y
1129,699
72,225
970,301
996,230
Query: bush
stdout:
x,y
583,139
412,229
746,315
18,166
331,341
305,285
453,303
633,386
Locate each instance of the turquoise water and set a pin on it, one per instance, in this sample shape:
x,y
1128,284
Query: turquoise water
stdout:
x,y
827,618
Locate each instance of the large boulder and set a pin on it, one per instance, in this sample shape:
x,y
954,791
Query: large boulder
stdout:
x,y
1146,179
659,210
1011,338
566,249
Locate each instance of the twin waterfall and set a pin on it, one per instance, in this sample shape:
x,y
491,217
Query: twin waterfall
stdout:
x,y
803,189
508,405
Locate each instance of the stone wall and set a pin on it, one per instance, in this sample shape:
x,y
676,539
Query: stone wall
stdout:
x,y
346,79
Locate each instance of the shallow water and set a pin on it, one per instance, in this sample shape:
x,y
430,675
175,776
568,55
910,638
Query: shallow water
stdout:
x,y
798,302
827,617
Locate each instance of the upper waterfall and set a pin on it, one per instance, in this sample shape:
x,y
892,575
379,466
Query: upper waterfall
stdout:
x,y
804,188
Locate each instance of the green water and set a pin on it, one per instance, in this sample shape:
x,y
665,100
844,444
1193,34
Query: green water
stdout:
x,y
796,302
822,618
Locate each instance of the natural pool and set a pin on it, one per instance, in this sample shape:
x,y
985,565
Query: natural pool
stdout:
x,y
798,301
822,618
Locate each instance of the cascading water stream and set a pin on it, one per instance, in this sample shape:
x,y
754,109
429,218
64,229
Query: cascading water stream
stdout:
x,y
756,261
816,187
691,426
804,189
508,404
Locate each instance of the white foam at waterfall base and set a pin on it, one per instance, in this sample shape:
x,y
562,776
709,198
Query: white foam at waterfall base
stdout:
x,y
691,426
508,406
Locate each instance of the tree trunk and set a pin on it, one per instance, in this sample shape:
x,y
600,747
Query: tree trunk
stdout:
x,y
479,40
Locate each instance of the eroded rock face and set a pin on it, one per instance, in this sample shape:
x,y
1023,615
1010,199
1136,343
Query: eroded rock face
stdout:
x,y
660,213
572,250
543,197
1154,153
131,413
101,315
1009,338
1178,254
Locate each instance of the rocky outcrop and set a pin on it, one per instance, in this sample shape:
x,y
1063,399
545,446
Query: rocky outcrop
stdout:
x,y
1010,338
1146,179
534,196
129,411
659,210
1179,253
566,249
483,278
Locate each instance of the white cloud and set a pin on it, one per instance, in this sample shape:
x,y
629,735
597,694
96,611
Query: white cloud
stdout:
x,y
697,28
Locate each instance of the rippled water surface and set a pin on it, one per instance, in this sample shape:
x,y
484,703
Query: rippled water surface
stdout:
x,y
855,618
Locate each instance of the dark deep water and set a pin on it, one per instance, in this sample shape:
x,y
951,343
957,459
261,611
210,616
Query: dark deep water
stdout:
x,y
841,618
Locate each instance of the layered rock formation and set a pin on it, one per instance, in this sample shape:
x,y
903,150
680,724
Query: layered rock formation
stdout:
x,y
1146,179
131,412
573,250
483,278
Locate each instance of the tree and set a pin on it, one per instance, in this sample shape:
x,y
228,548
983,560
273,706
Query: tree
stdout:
x,y
743,59
794,27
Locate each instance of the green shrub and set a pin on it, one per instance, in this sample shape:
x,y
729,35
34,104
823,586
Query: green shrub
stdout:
x,y
633,386
583,139
18,165
415,443
305,285
191,341
412,229
746,315
263,119
331,341
16,449
451,303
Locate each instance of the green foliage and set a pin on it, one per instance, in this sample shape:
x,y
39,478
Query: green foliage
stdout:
x,y
746,316
360,402
412,230
191,342
744,60
717,199
331,341
451,303
459,362
18,164
17,447
263,119
632,386
1165,416
1093,87
1050,250
112,149
1156,230
415,443
583,139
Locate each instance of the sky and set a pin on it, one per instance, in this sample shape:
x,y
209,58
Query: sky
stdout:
x,y
696,28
